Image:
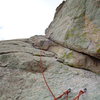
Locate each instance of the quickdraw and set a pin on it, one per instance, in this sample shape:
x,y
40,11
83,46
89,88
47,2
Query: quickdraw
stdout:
x,y
81,92
65,93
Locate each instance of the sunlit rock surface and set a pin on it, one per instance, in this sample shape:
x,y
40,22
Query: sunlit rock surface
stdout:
x,y
72,40
76,25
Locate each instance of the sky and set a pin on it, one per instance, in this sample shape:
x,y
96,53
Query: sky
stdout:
x,y
25,18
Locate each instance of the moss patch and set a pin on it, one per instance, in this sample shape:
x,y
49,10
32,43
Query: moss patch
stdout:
x,y
68,56
77,39
96,30
74,33
70,33
82,42
98,51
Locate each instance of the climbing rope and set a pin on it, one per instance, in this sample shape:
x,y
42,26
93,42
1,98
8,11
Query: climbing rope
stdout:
x,y
65,93
55,98
41,65
81,92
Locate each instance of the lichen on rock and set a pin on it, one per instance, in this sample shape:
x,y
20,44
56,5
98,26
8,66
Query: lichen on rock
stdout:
x,y
69,54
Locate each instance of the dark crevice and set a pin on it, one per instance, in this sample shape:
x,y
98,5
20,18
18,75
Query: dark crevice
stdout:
x,y
73,49
59,8
43,55
2,53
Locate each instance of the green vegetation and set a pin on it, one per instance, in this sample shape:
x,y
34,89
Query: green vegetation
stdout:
x,y
68,56
77,39
96,30
98,51
70,33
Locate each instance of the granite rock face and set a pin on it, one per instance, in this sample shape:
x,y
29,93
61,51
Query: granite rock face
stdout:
x,y
72,40
19,54
21,78
41,42
16,84
76,25
76,59
65,55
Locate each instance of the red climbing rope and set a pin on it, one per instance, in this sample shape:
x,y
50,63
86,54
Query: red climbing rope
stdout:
x,y
41,65
81,92
65,93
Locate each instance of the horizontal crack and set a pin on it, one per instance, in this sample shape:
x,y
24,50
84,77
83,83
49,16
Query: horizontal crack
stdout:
x,y
44,55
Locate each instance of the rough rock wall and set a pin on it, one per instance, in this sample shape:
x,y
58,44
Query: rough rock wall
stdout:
x,y
72,40
16,84
20,72
76,25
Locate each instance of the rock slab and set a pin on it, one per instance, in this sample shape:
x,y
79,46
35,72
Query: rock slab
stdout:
x,y
76,25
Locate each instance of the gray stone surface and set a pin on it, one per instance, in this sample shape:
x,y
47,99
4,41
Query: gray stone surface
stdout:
x,y
18,54
76,25
17,84
20,77
76,59
14,46
41,42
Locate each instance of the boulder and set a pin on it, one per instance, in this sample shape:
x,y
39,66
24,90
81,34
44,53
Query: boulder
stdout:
x,y
41,42
76,25
17,54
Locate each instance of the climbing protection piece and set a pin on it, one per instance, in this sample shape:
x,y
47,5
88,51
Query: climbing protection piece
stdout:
x,y
81,92
65,93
